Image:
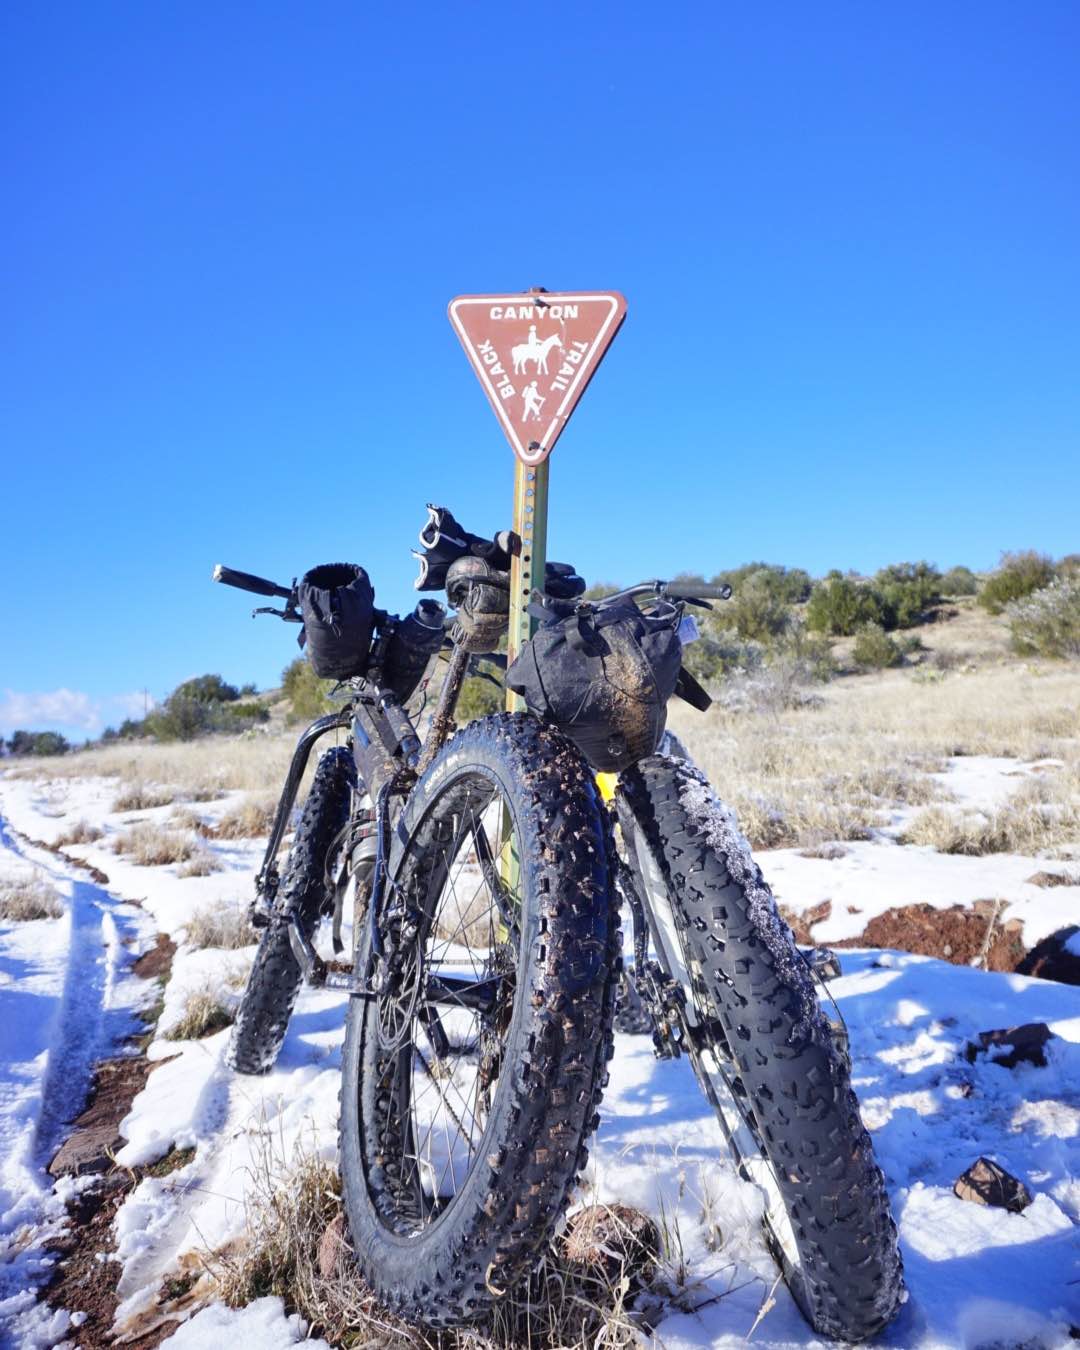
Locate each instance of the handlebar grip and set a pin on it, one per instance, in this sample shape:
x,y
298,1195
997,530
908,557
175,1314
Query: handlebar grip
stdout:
x,y
692,592
246,581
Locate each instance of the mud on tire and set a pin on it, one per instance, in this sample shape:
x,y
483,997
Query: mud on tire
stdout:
x,y
272,987
758,1005
444,1259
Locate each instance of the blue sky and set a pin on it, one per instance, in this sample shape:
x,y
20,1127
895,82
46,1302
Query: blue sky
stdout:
x,y
847,234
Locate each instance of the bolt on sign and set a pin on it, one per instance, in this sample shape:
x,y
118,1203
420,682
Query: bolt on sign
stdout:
x,y
534,354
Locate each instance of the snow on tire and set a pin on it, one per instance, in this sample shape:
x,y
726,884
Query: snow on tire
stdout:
x,y
786,1082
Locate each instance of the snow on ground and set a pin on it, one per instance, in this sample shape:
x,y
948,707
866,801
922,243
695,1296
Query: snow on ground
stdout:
x,y
977,1277
880,873
66,1001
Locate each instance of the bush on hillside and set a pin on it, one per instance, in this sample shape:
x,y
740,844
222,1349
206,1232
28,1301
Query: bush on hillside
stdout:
x,y
35,743
907,591
308,695
199,706
874,649
840,605
959,581
1018,574
790,585
756,610
1047,622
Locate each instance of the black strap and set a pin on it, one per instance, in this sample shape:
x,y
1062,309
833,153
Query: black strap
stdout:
x,y
688,689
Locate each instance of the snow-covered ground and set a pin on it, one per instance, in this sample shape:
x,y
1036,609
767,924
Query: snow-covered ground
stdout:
x,y
978,1277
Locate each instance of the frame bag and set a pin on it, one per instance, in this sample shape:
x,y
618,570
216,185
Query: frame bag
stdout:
x,y
337,601
604,677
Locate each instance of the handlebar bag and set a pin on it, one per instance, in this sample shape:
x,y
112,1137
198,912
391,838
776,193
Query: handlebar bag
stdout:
x,y
337,601
415,641
604,677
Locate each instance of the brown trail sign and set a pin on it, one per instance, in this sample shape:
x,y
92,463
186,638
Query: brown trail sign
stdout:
x,y
534,353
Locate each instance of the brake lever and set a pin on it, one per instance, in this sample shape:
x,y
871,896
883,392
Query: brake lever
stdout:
x,y
290,614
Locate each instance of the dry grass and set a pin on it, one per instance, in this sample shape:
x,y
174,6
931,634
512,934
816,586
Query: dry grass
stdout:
x,y
1043,814
250,818
153,846
82,832
824,773
200,770
201,863
142,796
226,926
25,899
566,1305
203,1014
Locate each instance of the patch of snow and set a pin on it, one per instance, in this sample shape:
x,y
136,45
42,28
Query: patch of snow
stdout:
x,y
262,1324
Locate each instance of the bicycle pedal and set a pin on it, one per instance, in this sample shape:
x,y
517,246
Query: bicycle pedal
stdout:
x,y
823,962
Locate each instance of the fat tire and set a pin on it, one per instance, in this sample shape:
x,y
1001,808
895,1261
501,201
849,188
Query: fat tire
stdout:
x,y
266,1007
752,986
555,1052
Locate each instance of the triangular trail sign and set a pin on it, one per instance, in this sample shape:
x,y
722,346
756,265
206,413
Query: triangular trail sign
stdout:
x,y
534,353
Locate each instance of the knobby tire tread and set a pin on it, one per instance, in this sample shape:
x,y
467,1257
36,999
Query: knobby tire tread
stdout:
x,y
750,979
535,1147
267,1004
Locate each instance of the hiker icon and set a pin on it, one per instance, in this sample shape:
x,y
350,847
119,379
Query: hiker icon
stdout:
x,y
533,401
532,349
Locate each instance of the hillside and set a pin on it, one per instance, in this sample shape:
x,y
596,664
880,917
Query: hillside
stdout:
x,y
935,806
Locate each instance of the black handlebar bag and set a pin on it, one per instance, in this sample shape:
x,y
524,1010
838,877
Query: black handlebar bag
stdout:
x,y
604,678
337,601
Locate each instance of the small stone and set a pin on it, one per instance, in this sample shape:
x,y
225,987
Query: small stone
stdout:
x,y
84,1151
1024,1044
1049,879
332,1247
987,1183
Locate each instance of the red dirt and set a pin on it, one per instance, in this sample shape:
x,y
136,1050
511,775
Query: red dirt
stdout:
x,y
157,962
956,934
801,923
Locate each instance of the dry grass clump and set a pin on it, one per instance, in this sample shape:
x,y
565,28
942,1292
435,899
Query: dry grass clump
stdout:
x,y
829,772
1023,828
153,846
225,926
82,832
294,1247
25,899
142,796
201,863
248,819
203,1015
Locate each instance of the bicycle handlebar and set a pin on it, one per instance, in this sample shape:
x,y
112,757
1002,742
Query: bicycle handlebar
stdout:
x,y
672,590
247,581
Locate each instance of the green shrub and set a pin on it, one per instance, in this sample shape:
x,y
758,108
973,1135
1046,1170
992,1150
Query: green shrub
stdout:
x,y
308,695
959,581
839,605
478,698
199,706
1047,622
874,649
790,585
1018,575
756,610
907,591
207,689
37,743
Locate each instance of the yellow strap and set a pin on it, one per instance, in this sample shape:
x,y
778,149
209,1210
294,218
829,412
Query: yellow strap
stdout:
x,y
607,783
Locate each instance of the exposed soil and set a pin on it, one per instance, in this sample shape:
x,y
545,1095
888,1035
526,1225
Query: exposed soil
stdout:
x,y
82,1282
96,874
801,923
958,934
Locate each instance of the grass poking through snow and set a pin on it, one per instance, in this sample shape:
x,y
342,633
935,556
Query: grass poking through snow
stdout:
x,y
25,899
222,925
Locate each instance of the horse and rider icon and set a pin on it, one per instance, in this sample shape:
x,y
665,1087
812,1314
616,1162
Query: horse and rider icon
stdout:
x,y
533,349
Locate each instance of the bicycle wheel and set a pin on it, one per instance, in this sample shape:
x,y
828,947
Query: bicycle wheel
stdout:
x,y
764,1054
470,1086
274,982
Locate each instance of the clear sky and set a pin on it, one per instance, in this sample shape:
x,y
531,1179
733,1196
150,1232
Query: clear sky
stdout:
x,y
848,235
